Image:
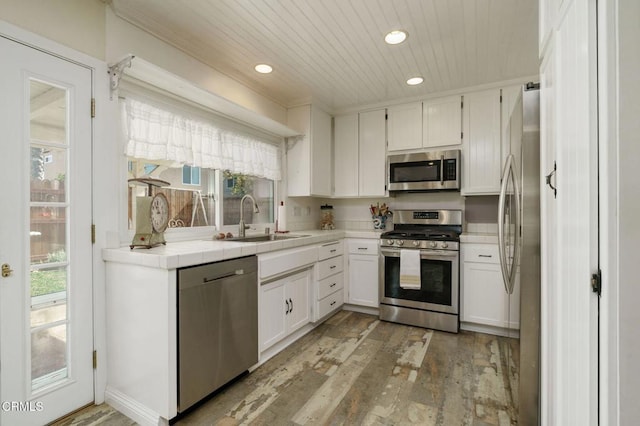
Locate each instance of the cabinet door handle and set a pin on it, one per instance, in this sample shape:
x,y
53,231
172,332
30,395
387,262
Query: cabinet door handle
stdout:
x,y
332,303
333,251
287,303
332,267
363,248
332,285
485,255
291,301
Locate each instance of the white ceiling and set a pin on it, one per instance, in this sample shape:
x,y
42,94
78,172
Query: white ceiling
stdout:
x,y
332,51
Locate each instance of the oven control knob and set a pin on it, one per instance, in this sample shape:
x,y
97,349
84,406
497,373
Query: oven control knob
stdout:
x,y
416,243
444,245
400,242
433,244
390,242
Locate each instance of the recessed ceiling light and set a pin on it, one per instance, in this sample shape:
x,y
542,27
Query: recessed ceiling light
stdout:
x,y
415,80
263,68
395,37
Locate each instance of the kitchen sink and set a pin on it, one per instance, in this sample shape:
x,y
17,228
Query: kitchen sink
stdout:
x,y
263,238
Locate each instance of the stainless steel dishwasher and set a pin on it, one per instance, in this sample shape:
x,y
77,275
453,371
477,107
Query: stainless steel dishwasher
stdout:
x,y
217,326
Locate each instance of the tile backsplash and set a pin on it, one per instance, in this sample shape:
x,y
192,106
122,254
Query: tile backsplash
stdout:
x,y
481,228
480,212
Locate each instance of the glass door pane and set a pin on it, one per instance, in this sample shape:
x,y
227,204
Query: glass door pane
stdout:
x,y
48,234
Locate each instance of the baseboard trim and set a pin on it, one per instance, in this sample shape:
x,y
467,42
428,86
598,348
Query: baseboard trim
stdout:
x,y
489,329
362,309
133,409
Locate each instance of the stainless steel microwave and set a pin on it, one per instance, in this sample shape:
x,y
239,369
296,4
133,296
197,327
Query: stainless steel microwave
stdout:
x,y
424,171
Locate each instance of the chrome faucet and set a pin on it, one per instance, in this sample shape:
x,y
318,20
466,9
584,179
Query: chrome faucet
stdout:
x,y
242,227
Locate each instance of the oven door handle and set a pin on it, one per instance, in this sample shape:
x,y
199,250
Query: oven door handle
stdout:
x,y
423,253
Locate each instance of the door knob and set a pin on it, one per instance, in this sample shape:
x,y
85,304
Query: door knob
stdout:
x,y
6,270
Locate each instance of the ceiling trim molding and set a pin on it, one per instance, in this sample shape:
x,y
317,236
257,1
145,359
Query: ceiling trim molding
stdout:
x,y
461,91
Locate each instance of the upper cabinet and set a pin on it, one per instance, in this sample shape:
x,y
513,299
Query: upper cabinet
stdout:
x,y
442,122
404,126
430,124
346,153
372,154
481,150
359,154
309,157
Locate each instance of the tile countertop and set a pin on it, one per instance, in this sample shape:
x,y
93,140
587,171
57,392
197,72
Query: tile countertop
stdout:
x,y
479,238
188,253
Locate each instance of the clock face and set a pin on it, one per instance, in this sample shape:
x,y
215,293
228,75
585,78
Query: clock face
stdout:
x,y
159,213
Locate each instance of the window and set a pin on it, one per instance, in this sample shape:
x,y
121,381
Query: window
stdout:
x,y
190,204
192,200
190,175
236,186
209,166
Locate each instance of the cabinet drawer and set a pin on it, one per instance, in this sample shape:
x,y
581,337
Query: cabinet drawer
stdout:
x,y
330,303
363,247
330,266
327,250
276,263
330,285
480,253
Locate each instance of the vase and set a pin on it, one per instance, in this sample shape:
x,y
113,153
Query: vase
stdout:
x,y
379,222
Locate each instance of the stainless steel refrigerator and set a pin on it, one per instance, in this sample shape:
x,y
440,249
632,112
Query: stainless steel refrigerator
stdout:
x,y
519,243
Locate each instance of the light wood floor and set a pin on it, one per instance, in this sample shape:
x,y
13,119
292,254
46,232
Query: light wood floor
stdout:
x,y
357,370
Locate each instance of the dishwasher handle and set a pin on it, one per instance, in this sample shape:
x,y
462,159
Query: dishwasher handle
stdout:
x,y
206,280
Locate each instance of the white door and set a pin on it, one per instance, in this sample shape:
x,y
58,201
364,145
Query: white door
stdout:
x,y
46,337
297,293
570,218
273,313
363,280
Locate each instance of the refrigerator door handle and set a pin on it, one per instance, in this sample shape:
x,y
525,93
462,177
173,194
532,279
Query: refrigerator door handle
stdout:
x,y
509,270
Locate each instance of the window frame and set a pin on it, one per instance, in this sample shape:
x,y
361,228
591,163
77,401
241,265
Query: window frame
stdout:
x,y
198,232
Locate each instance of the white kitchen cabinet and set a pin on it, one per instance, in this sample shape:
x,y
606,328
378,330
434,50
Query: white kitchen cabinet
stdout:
x,y
485,303
330,279
404,126
360,154
284,307
309,156
442,122
363,261
372,154
481,149
346,156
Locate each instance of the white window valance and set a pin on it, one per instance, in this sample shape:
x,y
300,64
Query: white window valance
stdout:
x,y
156,134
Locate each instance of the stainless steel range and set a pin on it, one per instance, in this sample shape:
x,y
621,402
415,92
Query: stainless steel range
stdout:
x,y
420,266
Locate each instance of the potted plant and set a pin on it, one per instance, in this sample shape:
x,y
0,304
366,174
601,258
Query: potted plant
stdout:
x,y
58,182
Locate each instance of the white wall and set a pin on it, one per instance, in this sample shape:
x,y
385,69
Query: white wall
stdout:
x,y
629,209
123,39
79,24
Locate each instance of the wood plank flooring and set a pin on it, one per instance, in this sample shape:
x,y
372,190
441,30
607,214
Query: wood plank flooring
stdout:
x,y
357,370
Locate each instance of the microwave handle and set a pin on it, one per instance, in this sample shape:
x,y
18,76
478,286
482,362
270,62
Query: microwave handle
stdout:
x,y
442,170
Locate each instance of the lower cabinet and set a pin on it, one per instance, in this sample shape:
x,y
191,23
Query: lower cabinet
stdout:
x,y
363,272
485,301
284,306
330,278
